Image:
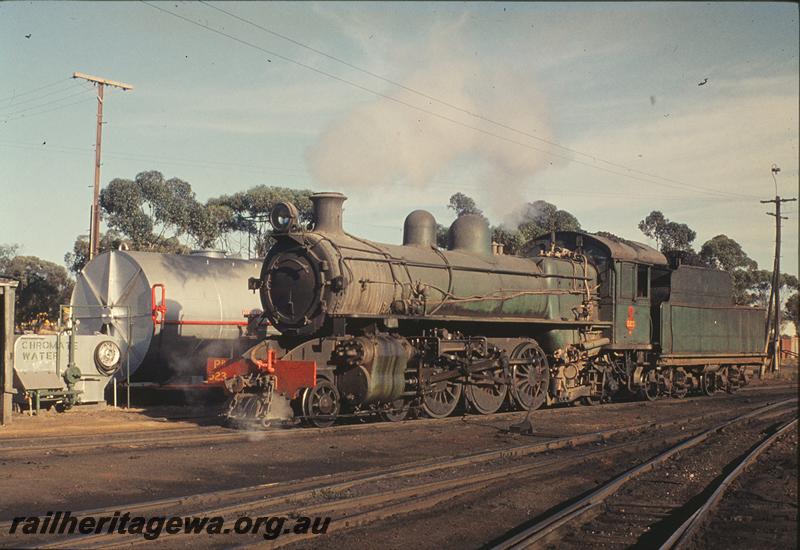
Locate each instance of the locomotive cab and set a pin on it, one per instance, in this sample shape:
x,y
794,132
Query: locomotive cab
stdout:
x,y
624,271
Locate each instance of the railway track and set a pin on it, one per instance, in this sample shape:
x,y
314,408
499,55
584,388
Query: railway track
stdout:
x,y
683,534
759,508
283,494
213,433
361,498
607,519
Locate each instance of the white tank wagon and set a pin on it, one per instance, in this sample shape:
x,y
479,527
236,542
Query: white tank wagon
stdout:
x,y
169,313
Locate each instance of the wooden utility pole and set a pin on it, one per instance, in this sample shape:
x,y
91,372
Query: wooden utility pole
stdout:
x,y
7,293
776,275
94,228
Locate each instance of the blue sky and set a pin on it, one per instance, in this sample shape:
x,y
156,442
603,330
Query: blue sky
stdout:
x,y
589,98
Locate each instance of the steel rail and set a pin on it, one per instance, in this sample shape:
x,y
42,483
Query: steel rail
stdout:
x,y
159,436
255,497
143,438
307,488
376,506
684,533
381,506
540,530
413,499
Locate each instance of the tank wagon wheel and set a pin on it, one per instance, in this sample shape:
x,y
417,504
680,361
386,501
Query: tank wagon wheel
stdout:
x,y
680,384
321,404
397,411
442,399
487,396
529,380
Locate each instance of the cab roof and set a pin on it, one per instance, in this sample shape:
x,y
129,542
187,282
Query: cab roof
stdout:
x,y
613,247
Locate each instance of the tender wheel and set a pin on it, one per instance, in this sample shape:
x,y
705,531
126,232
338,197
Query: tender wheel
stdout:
x,y
321,404
734,380
590,400
442,399
680,384
486,394
396,411
529,380
651,388
708,383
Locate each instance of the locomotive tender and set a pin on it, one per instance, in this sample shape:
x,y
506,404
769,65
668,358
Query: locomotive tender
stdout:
x,y
376,328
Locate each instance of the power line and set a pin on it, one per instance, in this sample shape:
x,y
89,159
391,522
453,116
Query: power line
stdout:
x,y
446,103
695,188
441,101
301,173
167,160
51,102
54,92
50,85
49,110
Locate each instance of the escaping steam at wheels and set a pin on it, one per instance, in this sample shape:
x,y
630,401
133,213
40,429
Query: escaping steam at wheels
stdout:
x,y
399,330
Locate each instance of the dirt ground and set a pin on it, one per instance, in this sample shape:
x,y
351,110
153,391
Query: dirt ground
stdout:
x,y
88,458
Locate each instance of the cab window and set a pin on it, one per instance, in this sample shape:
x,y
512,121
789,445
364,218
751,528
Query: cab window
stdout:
x,y
626,281
642,277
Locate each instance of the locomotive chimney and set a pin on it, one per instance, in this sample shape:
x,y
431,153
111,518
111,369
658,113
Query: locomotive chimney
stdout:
x,y
419,229
327,209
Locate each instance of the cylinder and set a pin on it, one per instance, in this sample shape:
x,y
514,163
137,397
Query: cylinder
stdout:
x,y
206,301
378,374
419,229
327,208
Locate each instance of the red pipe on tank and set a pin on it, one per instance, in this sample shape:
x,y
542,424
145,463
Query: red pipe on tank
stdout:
x,y
207,323
160,312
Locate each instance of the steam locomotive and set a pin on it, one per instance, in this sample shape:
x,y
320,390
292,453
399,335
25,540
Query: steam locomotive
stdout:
x,y
370,328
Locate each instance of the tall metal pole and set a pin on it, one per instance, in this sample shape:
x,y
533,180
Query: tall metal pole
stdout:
x,y
776,275
94,227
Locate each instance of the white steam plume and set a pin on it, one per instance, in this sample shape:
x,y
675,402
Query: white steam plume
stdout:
x,y
380,144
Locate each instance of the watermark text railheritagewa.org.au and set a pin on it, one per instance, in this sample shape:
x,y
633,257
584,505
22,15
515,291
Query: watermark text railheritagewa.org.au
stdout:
x,y
151,528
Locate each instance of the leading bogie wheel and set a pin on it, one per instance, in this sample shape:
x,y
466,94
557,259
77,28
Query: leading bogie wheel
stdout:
x,y
321,404
396,411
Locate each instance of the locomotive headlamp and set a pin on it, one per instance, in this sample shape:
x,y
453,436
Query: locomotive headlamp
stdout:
x,y
107,356
284,217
